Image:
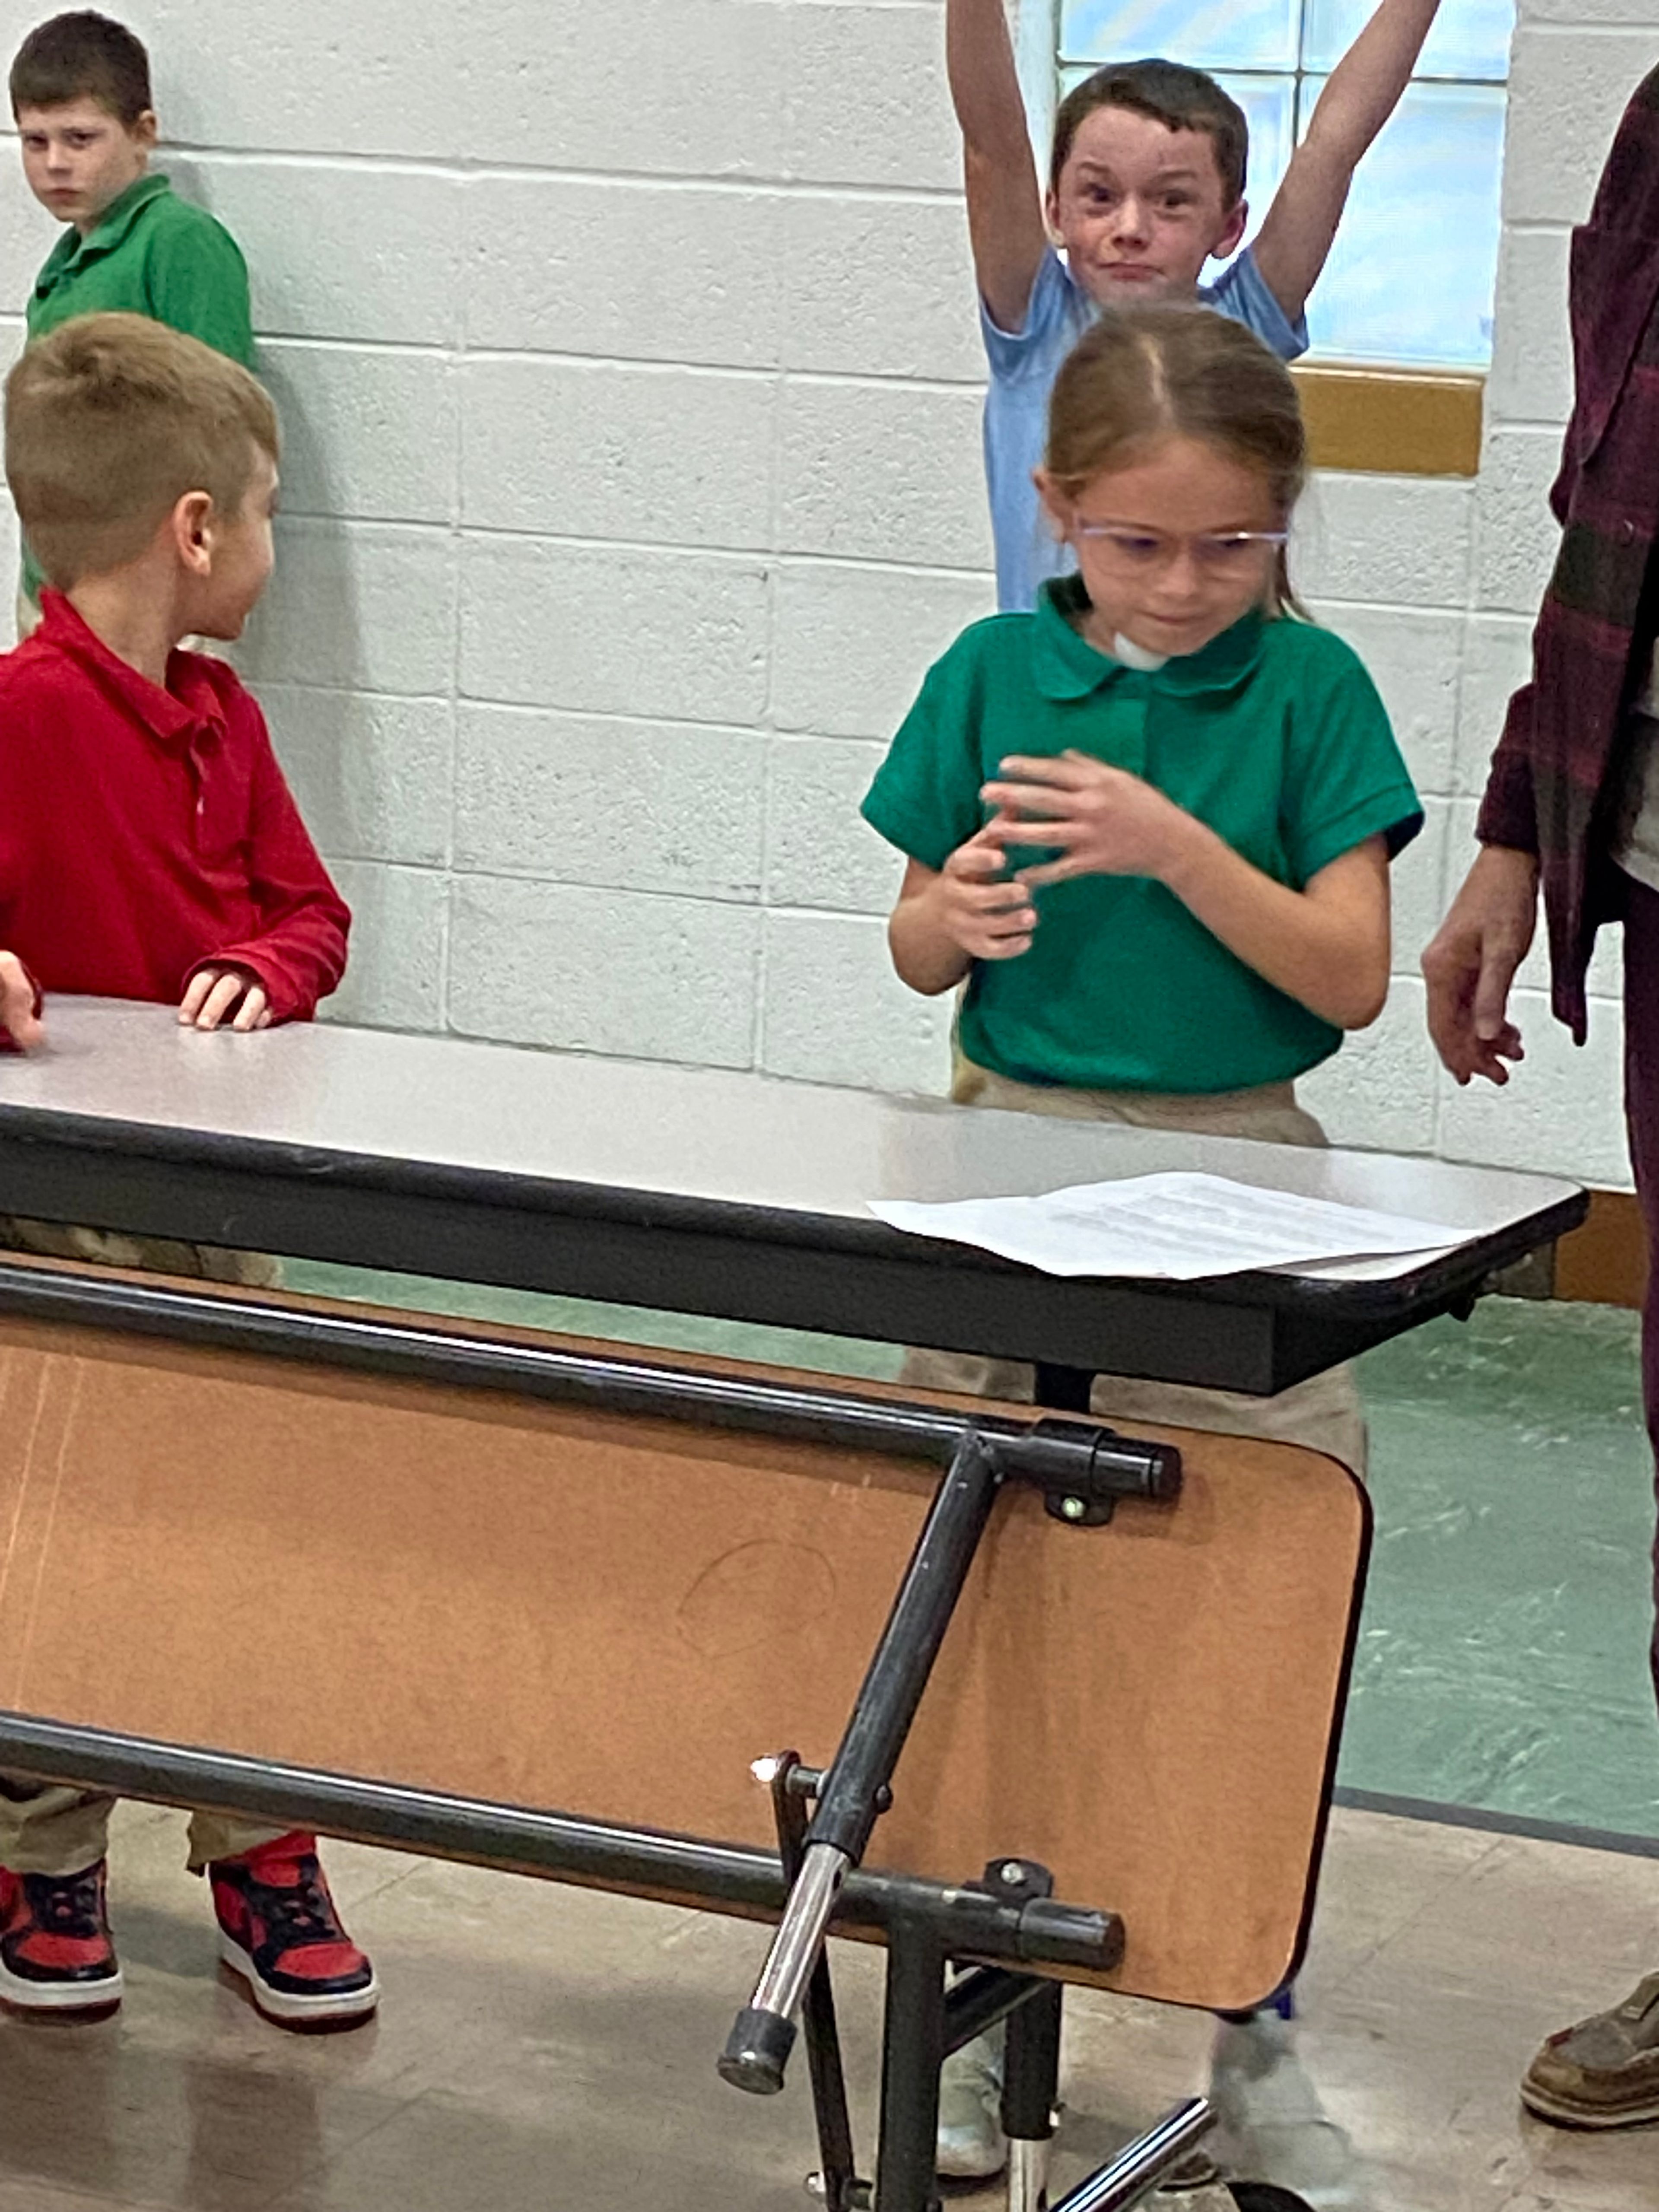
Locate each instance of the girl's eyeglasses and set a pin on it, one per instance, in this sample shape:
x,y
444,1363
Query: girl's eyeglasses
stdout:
x,y
1222,554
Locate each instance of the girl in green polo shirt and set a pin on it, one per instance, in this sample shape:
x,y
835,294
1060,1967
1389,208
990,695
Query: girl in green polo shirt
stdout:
x,y
1147,830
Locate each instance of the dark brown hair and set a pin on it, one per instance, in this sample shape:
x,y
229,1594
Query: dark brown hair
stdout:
x,y
1144,375
83,56
110,421
1180,98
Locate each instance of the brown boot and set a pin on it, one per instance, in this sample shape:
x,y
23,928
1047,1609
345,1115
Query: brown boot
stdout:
x,y
1604,2073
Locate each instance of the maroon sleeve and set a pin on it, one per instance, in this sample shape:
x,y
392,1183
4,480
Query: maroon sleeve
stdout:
x,y
298,954
1508,813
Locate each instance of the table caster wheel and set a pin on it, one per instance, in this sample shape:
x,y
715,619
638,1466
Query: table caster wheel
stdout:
x,y
1266,2196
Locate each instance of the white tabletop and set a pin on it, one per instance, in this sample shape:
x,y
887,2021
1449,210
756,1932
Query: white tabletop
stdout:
x,y
638,1126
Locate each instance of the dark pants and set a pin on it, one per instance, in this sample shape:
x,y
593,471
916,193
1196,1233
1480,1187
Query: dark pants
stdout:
x,y
1642,1114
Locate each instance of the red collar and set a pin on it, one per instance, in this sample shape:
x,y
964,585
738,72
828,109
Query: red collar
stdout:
x,y
171,715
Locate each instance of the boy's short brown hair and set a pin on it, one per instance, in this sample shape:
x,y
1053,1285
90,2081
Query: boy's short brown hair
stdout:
x,y
83,56
110,421
1180,98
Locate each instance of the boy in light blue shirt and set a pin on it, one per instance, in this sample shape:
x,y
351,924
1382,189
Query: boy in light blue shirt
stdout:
x,y
1145,185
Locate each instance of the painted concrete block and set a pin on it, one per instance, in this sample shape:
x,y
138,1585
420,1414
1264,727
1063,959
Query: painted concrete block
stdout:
x,y
882,472
1531,378
305,226
1414,659
314,78
1561,1113
850,645
598,631
1567,92
867,97
1394,541
1516,536
590,970
834,1011
626,268
1378,1091
372,775
1496,662
577,449
372,435
634,805
880,286
357,606
819,851
689,88
394,974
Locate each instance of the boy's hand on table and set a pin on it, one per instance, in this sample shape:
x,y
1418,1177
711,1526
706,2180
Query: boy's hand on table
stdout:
x,y
217,997
18,1017
1100,821
985,912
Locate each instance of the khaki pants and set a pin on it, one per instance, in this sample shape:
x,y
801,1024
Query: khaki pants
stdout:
x,y
49,1828
1323,1412
154,1256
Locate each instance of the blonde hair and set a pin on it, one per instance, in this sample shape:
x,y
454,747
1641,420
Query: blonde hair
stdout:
x,y
110,421
1148,373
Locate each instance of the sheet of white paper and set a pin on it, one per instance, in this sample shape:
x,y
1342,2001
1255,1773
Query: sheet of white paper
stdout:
x,y
1178,1226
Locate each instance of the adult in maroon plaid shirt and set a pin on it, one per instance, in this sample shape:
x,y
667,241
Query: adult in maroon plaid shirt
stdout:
x,y
1573,806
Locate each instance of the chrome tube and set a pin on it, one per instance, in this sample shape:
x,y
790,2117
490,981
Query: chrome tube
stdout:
x,y
1127,2179
1028,2175
757,2049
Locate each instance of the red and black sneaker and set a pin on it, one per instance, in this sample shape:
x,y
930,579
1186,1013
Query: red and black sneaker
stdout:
x,y
279,1930
56,1955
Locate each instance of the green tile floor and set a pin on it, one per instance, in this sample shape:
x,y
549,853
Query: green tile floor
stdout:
x,y
1502,1654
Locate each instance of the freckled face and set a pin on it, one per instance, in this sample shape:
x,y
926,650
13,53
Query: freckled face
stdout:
x,y
1140,208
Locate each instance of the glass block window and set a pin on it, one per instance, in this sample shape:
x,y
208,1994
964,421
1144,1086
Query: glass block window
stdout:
x,y
1411,277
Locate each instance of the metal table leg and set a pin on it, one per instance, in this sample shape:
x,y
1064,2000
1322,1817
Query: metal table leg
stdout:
x,y
1030,2085
913,2050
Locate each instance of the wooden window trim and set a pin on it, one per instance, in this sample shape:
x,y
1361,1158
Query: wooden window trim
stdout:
x,y
1393,422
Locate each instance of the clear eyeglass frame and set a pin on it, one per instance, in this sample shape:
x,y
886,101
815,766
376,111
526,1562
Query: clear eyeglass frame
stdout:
x,y
1222,552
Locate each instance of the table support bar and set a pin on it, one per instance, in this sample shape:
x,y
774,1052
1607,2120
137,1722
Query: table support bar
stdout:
x,y
973,1925
1077,1456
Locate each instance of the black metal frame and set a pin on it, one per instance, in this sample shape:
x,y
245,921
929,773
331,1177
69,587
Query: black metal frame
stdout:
x,y
555,1846
1083,1470
836,1274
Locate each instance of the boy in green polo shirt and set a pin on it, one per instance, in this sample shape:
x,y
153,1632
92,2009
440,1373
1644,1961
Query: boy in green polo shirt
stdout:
x,y
81,99
1147,830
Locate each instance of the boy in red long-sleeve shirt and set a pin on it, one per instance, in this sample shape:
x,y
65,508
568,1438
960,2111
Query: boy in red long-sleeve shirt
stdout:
x,y
150,848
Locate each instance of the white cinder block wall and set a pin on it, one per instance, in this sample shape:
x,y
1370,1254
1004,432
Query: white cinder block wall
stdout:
x,y
630,385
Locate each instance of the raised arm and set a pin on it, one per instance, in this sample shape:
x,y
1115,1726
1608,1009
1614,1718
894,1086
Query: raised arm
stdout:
x,y
1363,91
1004,204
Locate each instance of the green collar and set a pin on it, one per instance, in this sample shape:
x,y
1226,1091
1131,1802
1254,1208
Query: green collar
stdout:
x,y
72,250
1065,665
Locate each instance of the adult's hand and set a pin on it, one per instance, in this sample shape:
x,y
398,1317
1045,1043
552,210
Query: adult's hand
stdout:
x,y
1471,964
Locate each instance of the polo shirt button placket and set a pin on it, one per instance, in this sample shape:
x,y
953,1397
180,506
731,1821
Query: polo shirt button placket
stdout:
x,y
199,750
1137,696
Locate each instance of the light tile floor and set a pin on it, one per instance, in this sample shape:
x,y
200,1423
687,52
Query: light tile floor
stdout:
x,y
543,2048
